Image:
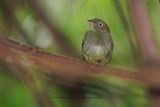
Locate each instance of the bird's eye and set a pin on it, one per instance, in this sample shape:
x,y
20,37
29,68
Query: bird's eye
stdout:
x,y
100,24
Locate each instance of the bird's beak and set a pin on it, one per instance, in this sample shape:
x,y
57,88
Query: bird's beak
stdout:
x,y
91,22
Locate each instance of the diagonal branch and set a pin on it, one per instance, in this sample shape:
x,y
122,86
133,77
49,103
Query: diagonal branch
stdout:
x,y
125,23
60,39
66,68
11,21
145,31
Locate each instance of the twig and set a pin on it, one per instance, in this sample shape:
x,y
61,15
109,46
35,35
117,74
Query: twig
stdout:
x,y
135,49
10,19
62,42
29,79
145,32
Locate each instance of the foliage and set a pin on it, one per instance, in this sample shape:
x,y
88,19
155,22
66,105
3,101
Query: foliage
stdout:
x,y
21,22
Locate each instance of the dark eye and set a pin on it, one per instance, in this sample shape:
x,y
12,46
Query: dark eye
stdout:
x,y
100,24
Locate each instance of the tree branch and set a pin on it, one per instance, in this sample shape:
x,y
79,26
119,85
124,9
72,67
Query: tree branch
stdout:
x,y
71,70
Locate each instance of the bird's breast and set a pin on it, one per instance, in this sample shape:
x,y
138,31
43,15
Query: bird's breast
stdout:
x,y
97,49
96,52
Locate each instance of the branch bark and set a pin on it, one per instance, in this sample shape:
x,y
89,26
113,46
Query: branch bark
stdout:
x,y
69,69
14,53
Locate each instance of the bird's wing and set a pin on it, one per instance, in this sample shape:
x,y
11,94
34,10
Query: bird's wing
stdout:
x,y
86,37
87,40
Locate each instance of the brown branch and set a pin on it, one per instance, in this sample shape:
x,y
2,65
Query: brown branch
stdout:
x,y
61,64
60,39
68,69
145,31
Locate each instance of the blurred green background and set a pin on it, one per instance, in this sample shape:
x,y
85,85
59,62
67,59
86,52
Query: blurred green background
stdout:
x,y
70,17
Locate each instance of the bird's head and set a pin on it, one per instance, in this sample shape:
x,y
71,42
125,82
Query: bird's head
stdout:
x,y
98,25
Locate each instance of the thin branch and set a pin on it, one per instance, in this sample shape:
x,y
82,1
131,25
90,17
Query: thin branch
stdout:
x,y
30,81
10,19
29,78
62,42
125,23
145,32
147,41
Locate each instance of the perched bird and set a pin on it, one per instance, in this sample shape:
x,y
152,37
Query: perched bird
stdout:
x,y
97,44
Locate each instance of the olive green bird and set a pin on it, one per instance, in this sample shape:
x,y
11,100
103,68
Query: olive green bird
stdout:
x,y
97,44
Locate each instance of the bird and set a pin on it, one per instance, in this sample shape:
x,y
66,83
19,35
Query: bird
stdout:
x,y
97,43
